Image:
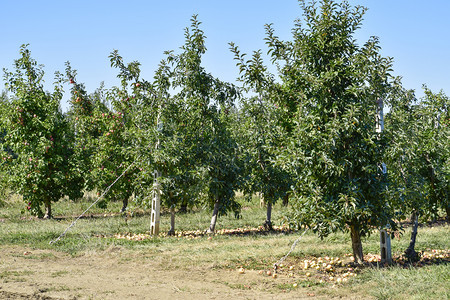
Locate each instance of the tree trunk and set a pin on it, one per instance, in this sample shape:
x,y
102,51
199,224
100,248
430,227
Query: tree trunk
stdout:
x,y
447,209
214,217
356,244
172,221
183,207
124,205
48,209
286,200
410,252
268,222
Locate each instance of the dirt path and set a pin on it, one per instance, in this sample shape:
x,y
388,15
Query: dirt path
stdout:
x,y
113,274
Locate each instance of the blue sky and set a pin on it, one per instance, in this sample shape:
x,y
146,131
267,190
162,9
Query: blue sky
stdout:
x,y
415,32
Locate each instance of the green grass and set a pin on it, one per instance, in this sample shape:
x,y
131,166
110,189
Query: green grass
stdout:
x,y
14,276
430,282
253,251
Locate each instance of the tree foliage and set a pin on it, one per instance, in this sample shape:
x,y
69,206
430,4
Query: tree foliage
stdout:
x,y
38,135
206,102
308,132
418,157
260,130
331,86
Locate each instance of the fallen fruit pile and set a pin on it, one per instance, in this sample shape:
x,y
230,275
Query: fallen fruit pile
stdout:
x,y
196,234
338,270
326,268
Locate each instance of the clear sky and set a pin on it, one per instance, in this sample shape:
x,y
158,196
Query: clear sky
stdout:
x,y
415,32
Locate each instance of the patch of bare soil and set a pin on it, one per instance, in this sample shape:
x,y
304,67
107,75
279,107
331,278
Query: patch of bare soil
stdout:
x,y
118,274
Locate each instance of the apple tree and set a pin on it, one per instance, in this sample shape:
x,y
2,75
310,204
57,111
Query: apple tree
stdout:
x,y
435,150
260,130
331,87
158,133
418,158
39,135
186,119
103,125
162,135
208,101
5,152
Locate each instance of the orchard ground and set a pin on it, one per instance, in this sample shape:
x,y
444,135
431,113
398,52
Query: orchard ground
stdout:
x,y
111,256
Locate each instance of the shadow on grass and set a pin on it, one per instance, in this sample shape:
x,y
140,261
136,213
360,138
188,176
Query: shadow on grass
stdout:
x,y
426,258
127,214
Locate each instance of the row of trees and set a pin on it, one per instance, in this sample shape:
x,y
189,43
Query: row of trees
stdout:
x,y
306,133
